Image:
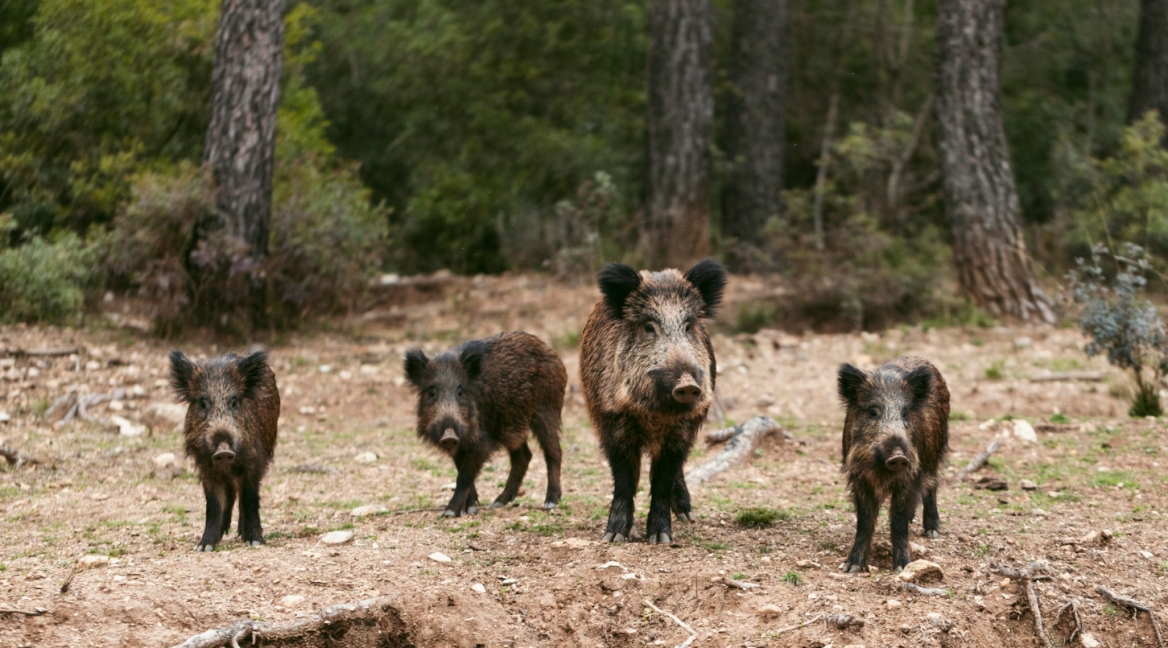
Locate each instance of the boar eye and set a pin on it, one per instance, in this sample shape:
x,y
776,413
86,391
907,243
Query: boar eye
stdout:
x,y
460,391
432,392
874,411
650,328
689,326
234,402
204,403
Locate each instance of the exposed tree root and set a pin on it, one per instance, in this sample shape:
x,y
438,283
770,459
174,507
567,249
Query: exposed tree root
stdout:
x,y
743,438
979,461
692,633
1027,577
1135,607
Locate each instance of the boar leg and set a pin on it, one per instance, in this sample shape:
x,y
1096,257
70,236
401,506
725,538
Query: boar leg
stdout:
x,y
681,504
216,494
469,465
625,464
663,475
867,508
932,517
547,432
520,458
904,506
250,528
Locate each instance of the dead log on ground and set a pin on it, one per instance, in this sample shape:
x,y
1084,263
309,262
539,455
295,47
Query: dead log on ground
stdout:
x,y
1135,607
743,439
979,461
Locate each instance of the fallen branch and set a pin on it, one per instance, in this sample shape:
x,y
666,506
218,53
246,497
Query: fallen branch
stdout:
x,y
979,461
1074,608
927,591
75,406
68,580
1092,376
843,621
42,353
742,585
1135,607
34,612
1027,577
15,457
279,633
692,634
743,438
795,627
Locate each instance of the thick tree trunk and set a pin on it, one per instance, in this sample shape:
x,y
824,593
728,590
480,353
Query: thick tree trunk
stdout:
x,y
1150,82
241,138
755,126
981,201
679,126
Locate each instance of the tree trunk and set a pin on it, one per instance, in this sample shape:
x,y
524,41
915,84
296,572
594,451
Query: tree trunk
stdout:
x,y
981,201
679,125
241,142
1150,82
755,127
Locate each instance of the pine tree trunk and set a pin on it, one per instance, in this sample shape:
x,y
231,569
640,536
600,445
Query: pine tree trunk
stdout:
x,y
679,125
1150,82
981,201
755,126
241,141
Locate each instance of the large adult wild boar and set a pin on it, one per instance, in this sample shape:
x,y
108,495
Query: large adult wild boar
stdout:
x,y
647,370
896,435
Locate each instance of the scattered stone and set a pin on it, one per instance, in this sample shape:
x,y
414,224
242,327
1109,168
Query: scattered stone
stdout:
x,y
438,556
92,560
1022,342
893,604
449,487
365,457
326,368
854,646
991,483
345,375
165,460
918,548
479,587
1028,485
1024,431
1091,538
937,621
367,510
919,571
1107,535
573,543
503,580
4,417
1039,512
807,564
336,537
292,600
307,410
1089,641
1147,555
614,564
126,428
770,611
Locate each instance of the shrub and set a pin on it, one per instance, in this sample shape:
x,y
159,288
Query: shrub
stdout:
x,y
1121,323
44,280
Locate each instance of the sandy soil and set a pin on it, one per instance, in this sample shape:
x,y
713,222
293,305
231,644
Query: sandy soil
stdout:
x,y
93,491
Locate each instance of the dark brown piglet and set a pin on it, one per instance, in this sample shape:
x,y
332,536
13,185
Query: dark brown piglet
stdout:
x,y
232,409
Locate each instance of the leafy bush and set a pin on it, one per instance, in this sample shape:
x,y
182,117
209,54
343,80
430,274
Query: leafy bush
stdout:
x,y
44,280
1121,323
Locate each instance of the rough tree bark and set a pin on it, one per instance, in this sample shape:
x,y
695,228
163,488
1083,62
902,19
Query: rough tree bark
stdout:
x,y
981,201
755,125
679,125
241,138
1150,82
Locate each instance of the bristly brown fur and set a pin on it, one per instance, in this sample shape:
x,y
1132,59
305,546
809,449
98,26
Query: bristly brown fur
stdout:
x,y
903,405
644,336
492,392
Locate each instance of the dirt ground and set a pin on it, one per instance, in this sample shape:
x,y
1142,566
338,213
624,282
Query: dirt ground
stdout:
x,y
95,491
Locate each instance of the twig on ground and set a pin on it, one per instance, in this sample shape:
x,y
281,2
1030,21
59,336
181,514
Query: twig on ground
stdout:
x,y
795,627
68,580
692,633
1135,607
743,438
1074,608
15,457
283,632
979,461
927,591
742,585
42,353
33,612
1094,376
1027,576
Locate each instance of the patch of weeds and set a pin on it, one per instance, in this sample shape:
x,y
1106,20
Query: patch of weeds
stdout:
x,y
738,576
760,518
828,545
1114,478
1060,418
567,341
708,545
792,578
959,416
983,550
994,371
752,316
276,535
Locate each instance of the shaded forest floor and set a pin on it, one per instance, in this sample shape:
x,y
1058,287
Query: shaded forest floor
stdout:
x,y
94,491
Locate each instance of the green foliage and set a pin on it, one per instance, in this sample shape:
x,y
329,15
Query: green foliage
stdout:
x,y
760,518
994,371
792,578
44,279
1060,418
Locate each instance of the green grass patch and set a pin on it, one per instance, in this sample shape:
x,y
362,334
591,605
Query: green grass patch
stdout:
x,y
1114,478
792,578
1060,418
760,517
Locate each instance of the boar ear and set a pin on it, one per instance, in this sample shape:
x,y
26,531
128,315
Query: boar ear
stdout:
x,y
851,380
416,363
472,358
181,370
709,277
920,383
253,368
617,281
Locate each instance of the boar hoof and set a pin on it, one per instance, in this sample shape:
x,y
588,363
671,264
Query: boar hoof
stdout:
x,y
471,510
931,533
497,504
853,569
203,547
613,538
253,543
662,538
547,506
449,513
688,516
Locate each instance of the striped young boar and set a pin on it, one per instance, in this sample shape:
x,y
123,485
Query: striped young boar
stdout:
x,y
230,432
895,438
647,370
485,394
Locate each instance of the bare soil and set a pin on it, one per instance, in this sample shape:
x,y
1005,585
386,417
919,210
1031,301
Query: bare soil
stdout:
x,y
93,491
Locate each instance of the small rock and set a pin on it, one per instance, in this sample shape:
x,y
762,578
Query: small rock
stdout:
x,y
1022,342
573,543
1028,485
307,410
92,560
365,457
1039,512
1089,641
854,646
292,600
1091,538
4,417
449,487
345,375
919,571
918,548
770,611
92,365
165,416
503,580
126,428
893,604
165,459
438,556
1107,535
1147,555
336,537
479,587
326,368
991,483
1024,431
367,510
806,564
